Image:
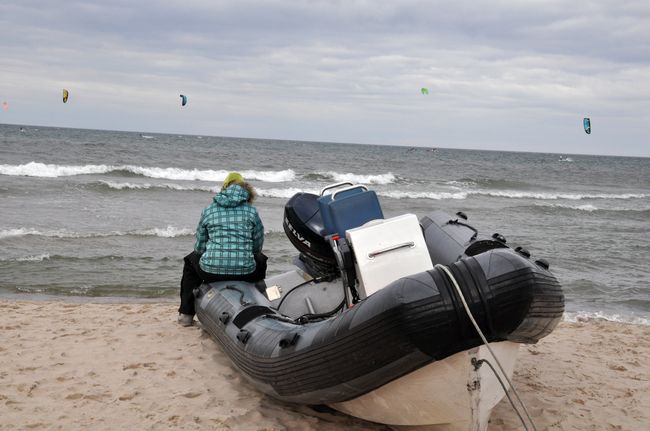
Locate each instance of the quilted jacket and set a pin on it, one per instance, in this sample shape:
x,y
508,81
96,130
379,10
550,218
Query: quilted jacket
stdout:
x,y
229,233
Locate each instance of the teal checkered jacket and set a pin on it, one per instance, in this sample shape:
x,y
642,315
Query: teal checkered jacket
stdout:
x,y
229,233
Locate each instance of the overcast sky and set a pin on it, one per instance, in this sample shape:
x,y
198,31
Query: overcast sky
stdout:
x,y
502,75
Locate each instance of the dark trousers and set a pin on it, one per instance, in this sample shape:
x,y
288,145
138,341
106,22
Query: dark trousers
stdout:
x,y
193,276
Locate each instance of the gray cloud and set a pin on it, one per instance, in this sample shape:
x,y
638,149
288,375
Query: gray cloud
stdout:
x,y
502,75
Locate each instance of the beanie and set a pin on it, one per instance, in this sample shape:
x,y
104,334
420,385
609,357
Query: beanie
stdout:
x,y
231,178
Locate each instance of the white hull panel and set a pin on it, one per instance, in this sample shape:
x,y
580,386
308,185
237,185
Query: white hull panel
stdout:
x,y
445,395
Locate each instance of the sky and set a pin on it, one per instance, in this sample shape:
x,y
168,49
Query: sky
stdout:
x,y
502,75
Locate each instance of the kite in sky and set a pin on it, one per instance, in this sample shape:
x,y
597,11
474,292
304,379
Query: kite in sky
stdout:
x,y
65,95
183,100
586,122
424,90
5,106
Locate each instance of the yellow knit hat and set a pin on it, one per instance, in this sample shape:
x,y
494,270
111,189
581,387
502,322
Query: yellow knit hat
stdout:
x,y
232,178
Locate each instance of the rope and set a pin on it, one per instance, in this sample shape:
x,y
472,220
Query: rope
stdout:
x,y
480,333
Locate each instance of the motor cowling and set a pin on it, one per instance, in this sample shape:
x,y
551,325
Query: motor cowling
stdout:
x,y
303,225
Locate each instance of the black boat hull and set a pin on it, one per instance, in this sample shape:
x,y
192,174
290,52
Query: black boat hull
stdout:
x,y
410,323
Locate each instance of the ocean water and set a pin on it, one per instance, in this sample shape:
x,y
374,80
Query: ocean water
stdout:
x,y
103,214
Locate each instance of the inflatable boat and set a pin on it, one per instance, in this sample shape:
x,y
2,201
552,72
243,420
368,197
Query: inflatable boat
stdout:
x,y
387,319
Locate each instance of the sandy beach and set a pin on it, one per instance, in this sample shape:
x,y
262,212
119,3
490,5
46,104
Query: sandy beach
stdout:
x,y
130,366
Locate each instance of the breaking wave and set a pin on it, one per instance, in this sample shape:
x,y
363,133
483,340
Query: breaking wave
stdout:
x,y
111,257
401,194
489,183
147,186
511,194
585,316
592,208
386,178
424,195
587,207
554,196
35,169
166,232
284,193
35,258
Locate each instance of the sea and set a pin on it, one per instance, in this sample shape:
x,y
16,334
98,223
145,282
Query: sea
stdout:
x,y
106,215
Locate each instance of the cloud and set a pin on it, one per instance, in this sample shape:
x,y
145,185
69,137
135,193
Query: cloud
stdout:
x,y
502,75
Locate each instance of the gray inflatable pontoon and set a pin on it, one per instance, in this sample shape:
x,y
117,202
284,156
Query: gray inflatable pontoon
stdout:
x,y
315,336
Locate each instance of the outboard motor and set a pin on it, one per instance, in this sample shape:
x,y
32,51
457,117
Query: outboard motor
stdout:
x,y
451,238
303,225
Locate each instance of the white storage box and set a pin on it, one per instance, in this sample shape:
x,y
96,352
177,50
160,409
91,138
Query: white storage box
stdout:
x,y
386,250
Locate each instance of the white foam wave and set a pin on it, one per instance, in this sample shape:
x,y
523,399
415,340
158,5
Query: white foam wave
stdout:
x,y
585,316
424,195
10,233
270,193
387,178
269,176
123,186
284,193
36,258
589,208
170,186
441,195
459,183
289,192
555,196
166,232
35,169
280,193
210,175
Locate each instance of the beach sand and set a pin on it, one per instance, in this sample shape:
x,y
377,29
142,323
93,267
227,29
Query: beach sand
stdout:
x,y
130,366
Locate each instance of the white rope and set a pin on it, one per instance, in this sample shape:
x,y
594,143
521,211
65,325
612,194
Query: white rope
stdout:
x,y
480,333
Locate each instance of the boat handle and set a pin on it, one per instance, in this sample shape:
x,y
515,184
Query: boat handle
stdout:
x,y
374,254
345,189
333,186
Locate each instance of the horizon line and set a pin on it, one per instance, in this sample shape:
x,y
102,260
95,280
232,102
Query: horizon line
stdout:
x,y
324,142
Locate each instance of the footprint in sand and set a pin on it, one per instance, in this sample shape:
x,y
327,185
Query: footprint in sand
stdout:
x,y
97,397
616,367
74,396
128,397
147,365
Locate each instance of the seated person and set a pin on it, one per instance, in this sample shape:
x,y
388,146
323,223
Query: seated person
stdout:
x,y
228,245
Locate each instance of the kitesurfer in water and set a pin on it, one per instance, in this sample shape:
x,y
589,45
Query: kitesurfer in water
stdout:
x,y
228,245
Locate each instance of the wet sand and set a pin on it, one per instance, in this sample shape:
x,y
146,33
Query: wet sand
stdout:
x,y
130,366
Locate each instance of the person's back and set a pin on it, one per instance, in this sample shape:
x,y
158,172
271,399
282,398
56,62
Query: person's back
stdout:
x,y
229,239
229,233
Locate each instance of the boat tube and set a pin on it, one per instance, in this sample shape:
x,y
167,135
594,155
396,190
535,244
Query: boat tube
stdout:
x,y
325,334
